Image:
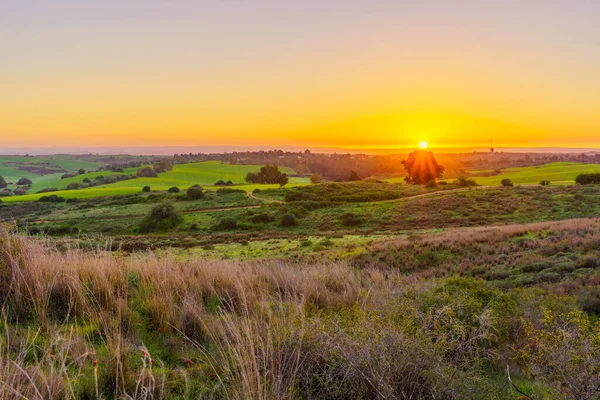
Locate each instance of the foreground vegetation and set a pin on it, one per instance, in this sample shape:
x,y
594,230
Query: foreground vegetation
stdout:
x,y
86,325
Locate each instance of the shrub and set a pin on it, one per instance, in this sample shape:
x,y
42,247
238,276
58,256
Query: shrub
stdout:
x,y
431,184
544,183
73,186
194,193
52,199
162,216
463,181
228,223
20,191
24,181
262,218
288,220
315,178
351,219
506,182
174,189
3,182
146,189
227,190
586,179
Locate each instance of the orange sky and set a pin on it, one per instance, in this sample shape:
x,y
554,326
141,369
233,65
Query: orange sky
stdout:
x,y
345,75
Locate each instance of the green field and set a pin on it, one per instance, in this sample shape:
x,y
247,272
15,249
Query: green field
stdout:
x,y
182,176
556,173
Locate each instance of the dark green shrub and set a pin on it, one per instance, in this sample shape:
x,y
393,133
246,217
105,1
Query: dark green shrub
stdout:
x,y
228,223
162,216
431,184
586,179
174,189
194,193
506,182
351,219
288,220
544,183
262,218
146,189
463,181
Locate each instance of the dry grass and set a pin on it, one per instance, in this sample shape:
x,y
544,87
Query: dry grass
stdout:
x,y
104,325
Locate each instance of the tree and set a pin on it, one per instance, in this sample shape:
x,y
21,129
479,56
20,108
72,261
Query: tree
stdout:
x,y
315,178
268,174
162,216
146,172
3,183
24,181
353,176
506,182
421,167
194,193
146,189
81,171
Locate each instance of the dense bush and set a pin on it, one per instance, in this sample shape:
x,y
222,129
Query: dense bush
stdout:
x,y
506,182
24,181
351,219
228,223
51,199
585,179
227,190
174,189
545,183
162,216
465,182
262,218
288,220
194,193
146,189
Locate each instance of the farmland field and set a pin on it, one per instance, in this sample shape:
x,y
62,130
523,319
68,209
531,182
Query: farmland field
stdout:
x,y
556,173
182,176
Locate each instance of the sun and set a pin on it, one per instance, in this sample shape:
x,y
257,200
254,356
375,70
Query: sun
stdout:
x,y
423,145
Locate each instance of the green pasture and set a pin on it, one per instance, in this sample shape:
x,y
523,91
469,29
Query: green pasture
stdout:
x,y
556,173
182,176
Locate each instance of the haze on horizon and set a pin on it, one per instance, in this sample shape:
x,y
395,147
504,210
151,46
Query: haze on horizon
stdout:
x,y
350,74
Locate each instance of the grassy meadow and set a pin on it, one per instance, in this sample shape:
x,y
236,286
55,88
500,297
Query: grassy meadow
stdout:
x,y
337,290
558,173
182,176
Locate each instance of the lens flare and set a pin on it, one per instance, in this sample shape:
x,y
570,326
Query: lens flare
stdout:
x,y
423,145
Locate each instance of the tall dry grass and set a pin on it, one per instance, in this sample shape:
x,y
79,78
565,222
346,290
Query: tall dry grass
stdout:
x,y
107,325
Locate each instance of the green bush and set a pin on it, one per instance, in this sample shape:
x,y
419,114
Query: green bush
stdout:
x,y
162,216
174,189
506,182
146,189
228,223
463,181
194,193
288,220
351,219
586,179
262,218
544,183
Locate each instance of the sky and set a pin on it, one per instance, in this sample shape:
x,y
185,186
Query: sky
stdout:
x,y
328,73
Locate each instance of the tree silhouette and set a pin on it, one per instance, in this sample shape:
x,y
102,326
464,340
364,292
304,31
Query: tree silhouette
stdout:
x,y
421,167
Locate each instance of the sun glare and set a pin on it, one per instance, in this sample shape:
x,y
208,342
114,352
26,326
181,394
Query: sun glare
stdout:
x,y
423,145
